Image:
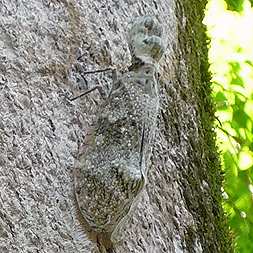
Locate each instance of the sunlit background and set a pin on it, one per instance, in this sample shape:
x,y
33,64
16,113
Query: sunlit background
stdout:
x,y
230,29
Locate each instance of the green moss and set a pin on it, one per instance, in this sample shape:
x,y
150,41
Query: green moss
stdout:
x,y
205,205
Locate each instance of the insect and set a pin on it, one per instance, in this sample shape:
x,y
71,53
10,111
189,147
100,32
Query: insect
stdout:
x,y
112,164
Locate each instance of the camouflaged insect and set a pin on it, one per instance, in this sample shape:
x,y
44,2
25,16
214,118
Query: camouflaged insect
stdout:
x,y
112,165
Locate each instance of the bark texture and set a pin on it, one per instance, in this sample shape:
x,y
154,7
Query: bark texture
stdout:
x,y
41,44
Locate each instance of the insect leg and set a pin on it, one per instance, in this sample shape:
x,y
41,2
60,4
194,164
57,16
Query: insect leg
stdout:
x,y
142,146
99,88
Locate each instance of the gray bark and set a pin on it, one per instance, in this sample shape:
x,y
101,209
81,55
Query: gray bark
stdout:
x,y
40,129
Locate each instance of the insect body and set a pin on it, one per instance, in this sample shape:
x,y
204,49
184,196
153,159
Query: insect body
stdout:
x,y
111,168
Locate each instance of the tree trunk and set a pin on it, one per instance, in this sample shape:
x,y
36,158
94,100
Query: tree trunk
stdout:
x,y
44,48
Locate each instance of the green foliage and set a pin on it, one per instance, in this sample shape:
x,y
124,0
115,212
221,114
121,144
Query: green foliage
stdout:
x,y
232,67
236,5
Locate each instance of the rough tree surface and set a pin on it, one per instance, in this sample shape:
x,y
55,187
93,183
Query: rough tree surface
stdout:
x,y
41,44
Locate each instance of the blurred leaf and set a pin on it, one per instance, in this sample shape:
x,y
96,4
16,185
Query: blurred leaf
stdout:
x,y
242,203
234,72
235,5
239,103
248,61
239,119
251,146
220,100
